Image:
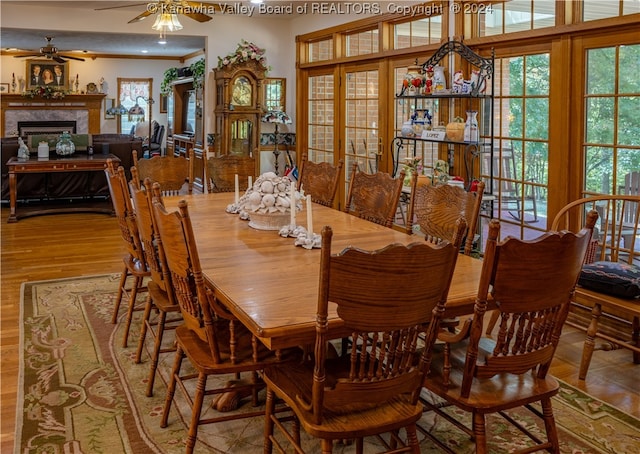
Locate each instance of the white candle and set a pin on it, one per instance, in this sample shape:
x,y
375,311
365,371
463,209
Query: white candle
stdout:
x,y
292,195
250,181
237,189
309,217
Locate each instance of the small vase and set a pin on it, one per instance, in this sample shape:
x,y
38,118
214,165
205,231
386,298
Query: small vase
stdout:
x,y
65,146
43,150
439,82
407,129
471,127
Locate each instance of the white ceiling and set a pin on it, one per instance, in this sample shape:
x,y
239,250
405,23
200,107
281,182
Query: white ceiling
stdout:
x,y
97,43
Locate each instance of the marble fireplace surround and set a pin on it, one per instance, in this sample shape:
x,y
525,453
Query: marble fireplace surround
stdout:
x,y
85,110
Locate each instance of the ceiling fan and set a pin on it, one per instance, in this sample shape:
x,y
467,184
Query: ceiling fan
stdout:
x,y
193,9
51,52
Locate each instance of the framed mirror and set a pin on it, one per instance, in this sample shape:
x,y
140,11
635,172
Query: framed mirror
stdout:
x,y
108,104
274,94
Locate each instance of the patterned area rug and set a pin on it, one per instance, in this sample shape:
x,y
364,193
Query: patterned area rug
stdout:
x,y
81,392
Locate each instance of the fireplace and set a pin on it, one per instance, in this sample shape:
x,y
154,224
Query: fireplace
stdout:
x,y
84,110
45,127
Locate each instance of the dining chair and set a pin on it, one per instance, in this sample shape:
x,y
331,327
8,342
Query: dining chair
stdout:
x,y
135,262
210,337
531,283
174,173
606,302
320,180
373,388
374,196
221,172
160,297
436,208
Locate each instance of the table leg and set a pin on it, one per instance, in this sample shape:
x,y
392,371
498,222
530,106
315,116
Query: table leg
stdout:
x,y
13,196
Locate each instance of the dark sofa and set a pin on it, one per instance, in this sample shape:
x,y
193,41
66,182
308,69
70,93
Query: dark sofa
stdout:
x,y
39,186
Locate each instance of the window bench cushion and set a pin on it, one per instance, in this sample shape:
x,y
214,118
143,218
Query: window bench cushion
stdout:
x,y
612,278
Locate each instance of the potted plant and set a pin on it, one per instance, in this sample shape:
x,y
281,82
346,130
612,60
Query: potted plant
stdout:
x,y
170,75
197,70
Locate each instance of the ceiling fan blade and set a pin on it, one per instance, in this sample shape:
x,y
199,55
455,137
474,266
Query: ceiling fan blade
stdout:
x,y
122,6
27,55
69,57
58,58
198,16
140,17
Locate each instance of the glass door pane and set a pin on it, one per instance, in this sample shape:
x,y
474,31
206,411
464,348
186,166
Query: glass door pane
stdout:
x,y
321,116
520,164
612,102
361,122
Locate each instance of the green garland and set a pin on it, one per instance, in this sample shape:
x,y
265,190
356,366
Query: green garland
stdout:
x,y
46,92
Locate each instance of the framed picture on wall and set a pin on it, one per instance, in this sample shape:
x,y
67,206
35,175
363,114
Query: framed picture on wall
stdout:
x,y
163,103
44,73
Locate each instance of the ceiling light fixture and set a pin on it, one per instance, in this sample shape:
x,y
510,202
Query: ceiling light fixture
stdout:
x,y
167,22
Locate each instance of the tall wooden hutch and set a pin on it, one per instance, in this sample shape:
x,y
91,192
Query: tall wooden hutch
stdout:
x,y
239,108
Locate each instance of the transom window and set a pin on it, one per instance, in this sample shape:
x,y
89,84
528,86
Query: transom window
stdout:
x,y
418,32
362,43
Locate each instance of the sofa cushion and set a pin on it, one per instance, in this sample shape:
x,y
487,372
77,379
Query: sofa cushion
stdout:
x,y
612,278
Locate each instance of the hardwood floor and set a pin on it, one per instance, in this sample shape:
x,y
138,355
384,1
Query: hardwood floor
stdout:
x,y
67,245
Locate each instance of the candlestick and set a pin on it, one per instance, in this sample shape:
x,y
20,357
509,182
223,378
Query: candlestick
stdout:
x,y
292,195
309,217
237,189
250,181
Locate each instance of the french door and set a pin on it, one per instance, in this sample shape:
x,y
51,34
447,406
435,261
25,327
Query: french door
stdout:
x,y
344,118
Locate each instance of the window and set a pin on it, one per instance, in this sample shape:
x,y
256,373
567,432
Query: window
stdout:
x,y
418,32
321,118
362,43
274,94
521,149
130,93
598,9
321,50
515,16
612,102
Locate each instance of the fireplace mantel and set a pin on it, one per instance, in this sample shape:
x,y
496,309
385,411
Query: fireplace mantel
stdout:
x,y
90,103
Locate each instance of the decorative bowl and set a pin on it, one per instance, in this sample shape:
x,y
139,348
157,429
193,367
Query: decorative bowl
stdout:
x,y
269,221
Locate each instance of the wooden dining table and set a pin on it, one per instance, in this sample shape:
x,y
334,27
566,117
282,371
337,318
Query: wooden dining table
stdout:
x,y
271,285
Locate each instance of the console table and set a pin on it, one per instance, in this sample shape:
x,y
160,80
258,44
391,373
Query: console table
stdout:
x,y
73,163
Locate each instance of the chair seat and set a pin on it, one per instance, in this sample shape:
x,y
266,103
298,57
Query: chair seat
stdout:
x,y
488,395
161,299
297,380
199,352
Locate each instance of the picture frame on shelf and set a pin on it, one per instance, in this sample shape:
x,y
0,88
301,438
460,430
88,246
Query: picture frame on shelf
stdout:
x,y
43,73
4,88
163,103
108,104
